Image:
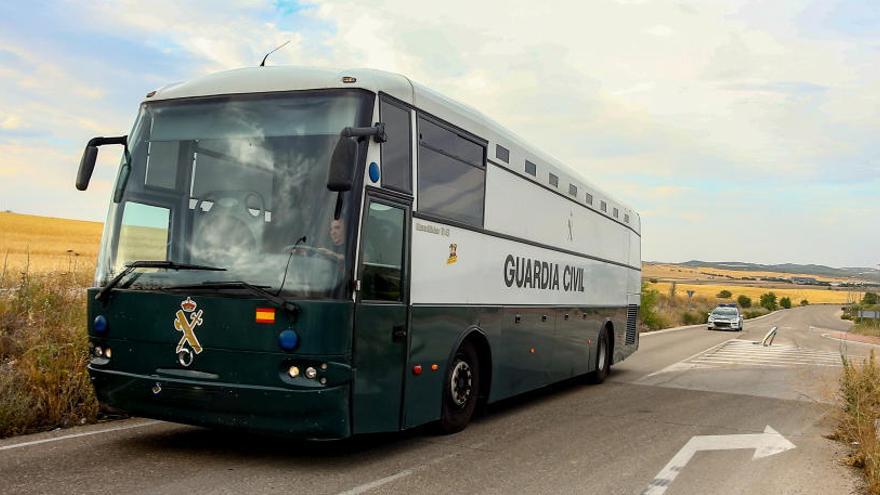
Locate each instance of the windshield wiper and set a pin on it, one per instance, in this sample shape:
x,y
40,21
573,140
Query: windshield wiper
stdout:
x,y
257,290
134,265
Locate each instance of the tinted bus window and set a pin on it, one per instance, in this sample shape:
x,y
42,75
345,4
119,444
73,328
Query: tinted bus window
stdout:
x,y
452,176
397,150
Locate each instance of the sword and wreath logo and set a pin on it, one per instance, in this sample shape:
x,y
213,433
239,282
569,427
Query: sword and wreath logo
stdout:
x,y
186,320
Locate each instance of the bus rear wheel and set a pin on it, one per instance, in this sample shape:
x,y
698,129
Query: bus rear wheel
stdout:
x,y
603,358
460,390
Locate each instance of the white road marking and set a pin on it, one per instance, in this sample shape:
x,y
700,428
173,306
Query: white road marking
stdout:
x,y
765,444
736,352
675,366
402,474
374,484
77,435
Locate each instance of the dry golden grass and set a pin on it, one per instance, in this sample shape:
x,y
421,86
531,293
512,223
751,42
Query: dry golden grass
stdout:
x,y
796,294
44,244
860,397
675,272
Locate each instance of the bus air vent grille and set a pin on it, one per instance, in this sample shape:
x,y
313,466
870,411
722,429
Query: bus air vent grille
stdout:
x,y
632,316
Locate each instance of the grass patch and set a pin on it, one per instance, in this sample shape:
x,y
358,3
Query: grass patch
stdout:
x,y
44,352
860,395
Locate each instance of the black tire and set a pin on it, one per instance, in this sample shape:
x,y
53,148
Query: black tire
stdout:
x,y
461,389
603,359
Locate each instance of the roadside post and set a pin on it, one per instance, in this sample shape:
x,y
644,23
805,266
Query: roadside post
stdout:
x,y
690,297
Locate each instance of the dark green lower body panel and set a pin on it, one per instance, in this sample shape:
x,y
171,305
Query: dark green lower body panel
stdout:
x,y
529,348
318,413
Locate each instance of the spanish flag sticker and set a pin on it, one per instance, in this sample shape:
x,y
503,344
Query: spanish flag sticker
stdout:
x,y
265,315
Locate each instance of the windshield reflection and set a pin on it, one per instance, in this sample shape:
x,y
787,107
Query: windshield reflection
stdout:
x,y
233,182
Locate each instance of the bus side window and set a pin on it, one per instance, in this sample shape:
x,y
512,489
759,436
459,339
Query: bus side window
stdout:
x,y
397,150
452,174
383,254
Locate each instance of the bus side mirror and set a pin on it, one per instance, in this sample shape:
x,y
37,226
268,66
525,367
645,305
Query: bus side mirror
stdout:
x,y
86,167
341,174
87,163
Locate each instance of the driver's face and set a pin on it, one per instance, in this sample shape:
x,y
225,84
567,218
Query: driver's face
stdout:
x,y
337,232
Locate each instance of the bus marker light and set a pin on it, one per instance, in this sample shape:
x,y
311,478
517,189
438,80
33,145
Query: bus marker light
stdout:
x,y
532,350
417,369
323,381
293,371
374,172
288,340
323,366
311,373
107,353
100,324
99,351
434,367
265,315
349,79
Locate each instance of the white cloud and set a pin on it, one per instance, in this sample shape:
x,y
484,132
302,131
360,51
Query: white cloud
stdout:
x,y
653,100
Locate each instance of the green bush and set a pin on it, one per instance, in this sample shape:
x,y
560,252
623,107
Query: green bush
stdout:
x,y
804,302
785,302
870,298
725,294
768,300
648,313
754,313
694,318
744,301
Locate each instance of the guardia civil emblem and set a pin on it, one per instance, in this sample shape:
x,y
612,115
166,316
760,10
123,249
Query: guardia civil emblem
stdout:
x,y
186,320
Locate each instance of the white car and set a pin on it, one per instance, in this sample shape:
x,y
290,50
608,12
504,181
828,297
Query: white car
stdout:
x,y
725,317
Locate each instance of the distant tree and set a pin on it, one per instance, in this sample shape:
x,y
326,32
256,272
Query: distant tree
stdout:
x,y
744,301
870,298
804,302
768,300
724,294
785,302
652,280
673,287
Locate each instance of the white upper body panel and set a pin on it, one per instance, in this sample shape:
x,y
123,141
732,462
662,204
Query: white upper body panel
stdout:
x,y
289,78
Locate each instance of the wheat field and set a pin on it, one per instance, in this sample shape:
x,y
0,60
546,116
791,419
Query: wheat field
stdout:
x,y
45,244
796,294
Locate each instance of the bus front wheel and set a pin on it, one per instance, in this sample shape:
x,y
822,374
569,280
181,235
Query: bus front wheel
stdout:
x,y
460,389
603,358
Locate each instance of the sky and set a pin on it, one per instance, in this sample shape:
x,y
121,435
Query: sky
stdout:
x,y
740,130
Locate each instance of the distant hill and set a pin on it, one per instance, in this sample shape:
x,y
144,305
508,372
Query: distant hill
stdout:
x,y
864,273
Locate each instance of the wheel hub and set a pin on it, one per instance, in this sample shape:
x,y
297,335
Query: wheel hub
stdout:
x,y
460,383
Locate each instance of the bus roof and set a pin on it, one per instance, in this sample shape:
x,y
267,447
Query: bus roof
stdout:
x,y
292,78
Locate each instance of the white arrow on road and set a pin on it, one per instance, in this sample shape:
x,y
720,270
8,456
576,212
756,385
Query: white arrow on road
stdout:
x,y
765,444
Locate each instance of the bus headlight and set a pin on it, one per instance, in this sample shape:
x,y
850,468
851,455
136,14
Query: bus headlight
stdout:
x,y
293,371
311,373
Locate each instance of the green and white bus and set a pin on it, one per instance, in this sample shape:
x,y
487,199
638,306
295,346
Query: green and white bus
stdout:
x,y
325,253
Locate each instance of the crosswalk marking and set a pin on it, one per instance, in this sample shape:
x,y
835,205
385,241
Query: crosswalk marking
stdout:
x,y
738,352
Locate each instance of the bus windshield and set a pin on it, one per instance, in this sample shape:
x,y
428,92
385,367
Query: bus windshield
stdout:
x,y
235,182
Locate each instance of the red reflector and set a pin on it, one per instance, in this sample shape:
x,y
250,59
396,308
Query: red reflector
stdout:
x,y
417,369
265,315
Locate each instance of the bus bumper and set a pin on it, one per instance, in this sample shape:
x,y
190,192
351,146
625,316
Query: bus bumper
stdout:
x,y
314,413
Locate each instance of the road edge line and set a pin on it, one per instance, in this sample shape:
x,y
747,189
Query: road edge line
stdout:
x,y
77,435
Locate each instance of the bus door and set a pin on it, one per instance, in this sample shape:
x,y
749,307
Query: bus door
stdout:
x,y
380,334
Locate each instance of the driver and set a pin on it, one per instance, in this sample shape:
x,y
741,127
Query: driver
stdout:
x,y
337,240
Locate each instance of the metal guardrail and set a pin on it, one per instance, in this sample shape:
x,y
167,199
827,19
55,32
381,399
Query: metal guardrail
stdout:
x,y
768,339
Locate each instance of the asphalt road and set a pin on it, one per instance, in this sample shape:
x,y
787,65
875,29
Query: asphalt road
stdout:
x,y
612,438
